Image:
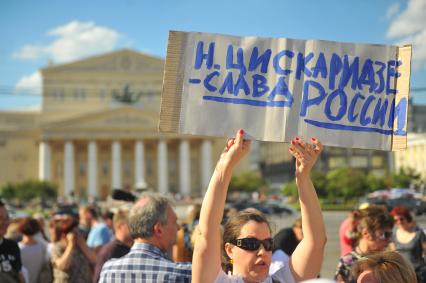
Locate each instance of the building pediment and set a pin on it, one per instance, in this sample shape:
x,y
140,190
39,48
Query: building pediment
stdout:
x,y
116,120
127,61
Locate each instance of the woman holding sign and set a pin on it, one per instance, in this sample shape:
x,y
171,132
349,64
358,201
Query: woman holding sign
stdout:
x,y
247,239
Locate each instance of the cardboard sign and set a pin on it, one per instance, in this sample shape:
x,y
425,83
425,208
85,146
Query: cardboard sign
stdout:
x,y
344,94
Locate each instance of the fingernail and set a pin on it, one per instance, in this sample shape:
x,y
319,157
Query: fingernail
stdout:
x,y
313,139
291,149
297,138
293,142
241,132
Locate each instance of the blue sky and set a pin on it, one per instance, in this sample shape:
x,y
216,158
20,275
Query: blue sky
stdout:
x,y
36,32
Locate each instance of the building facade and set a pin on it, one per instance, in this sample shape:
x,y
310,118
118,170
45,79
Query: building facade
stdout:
x,y
97,130
414,157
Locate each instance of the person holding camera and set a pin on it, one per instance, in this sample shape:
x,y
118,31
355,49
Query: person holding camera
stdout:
x,y
72,259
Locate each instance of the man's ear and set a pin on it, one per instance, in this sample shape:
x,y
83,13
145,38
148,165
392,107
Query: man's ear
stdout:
x,y
158,229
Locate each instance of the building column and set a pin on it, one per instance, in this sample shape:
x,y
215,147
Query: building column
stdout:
x,y
140,182
92,169
44,157
184,168
116,165
206,164
69,178
163,171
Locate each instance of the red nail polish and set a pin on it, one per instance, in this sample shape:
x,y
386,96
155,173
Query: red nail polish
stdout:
x,y
291,149
297,138
293,142
313,139
241,132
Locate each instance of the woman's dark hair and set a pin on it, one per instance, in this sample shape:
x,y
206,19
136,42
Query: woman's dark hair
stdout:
x,y
68,224
55,226
29,226
232,230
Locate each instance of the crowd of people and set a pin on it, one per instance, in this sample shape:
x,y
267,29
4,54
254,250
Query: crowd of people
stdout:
x,y
146,243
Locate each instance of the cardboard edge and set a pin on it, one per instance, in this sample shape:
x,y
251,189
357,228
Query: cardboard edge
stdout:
x,y
171,98
402,85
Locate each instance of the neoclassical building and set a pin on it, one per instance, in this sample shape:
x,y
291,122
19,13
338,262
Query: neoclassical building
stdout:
x,y
415,155
97,129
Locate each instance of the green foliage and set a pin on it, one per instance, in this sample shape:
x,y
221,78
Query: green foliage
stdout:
x,y
375,183
290,189
346,183
247,182
404,178
318,179
29,190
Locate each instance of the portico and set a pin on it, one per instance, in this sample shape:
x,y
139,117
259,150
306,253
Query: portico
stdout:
x,y
90,155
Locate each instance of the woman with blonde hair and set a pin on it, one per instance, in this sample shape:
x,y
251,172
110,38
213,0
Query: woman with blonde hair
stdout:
x,y
247,241
385,267
374,231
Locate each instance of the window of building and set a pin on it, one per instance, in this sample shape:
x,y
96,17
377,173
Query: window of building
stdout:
x,y
359,161
172,166
103,94
79,94
61,95
149,169
58,170
82,168
127,168
377,161
335,162
82,94
105,168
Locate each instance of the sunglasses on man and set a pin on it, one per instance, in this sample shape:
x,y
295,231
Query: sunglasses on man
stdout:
x,y
253,244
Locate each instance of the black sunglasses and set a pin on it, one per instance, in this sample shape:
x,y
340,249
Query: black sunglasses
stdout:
x,y
253,244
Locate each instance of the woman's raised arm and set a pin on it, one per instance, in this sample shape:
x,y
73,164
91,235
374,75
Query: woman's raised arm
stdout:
x,y
206,261
306,260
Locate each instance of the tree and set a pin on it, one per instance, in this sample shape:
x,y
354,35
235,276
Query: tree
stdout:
x,y
247,182
28,190
375,183
404,178
346,183
318,179
290,189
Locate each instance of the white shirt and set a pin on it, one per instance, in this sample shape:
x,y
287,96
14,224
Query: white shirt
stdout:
x,y
283,275
279,260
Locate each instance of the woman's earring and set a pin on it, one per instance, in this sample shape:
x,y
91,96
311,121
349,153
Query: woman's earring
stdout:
x,y
231,261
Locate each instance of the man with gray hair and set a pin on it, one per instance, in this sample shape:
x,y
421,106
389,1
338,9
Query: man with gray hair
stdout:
x,y
153,226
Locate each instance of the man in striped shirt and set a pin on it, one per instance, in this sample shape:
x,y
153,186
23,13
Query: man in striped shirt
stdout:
x,y
153,226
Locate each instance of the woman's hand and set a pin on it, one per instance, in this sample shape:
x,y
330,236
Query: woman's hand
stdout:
x,y
306,155
235,149
72,239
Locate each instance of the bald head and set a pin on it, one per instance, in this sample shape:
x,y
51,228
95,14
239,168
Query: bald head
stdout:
x,y
145,199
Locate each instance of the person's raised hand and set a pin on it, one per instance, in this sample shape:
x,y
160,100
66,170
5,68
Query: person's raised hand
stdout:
x,y
235,149
306,155
71,238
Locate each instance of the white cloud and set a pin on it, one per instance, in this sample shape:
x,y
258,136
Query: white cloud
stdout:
x,y
30,84
74,40
410,27
392,10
